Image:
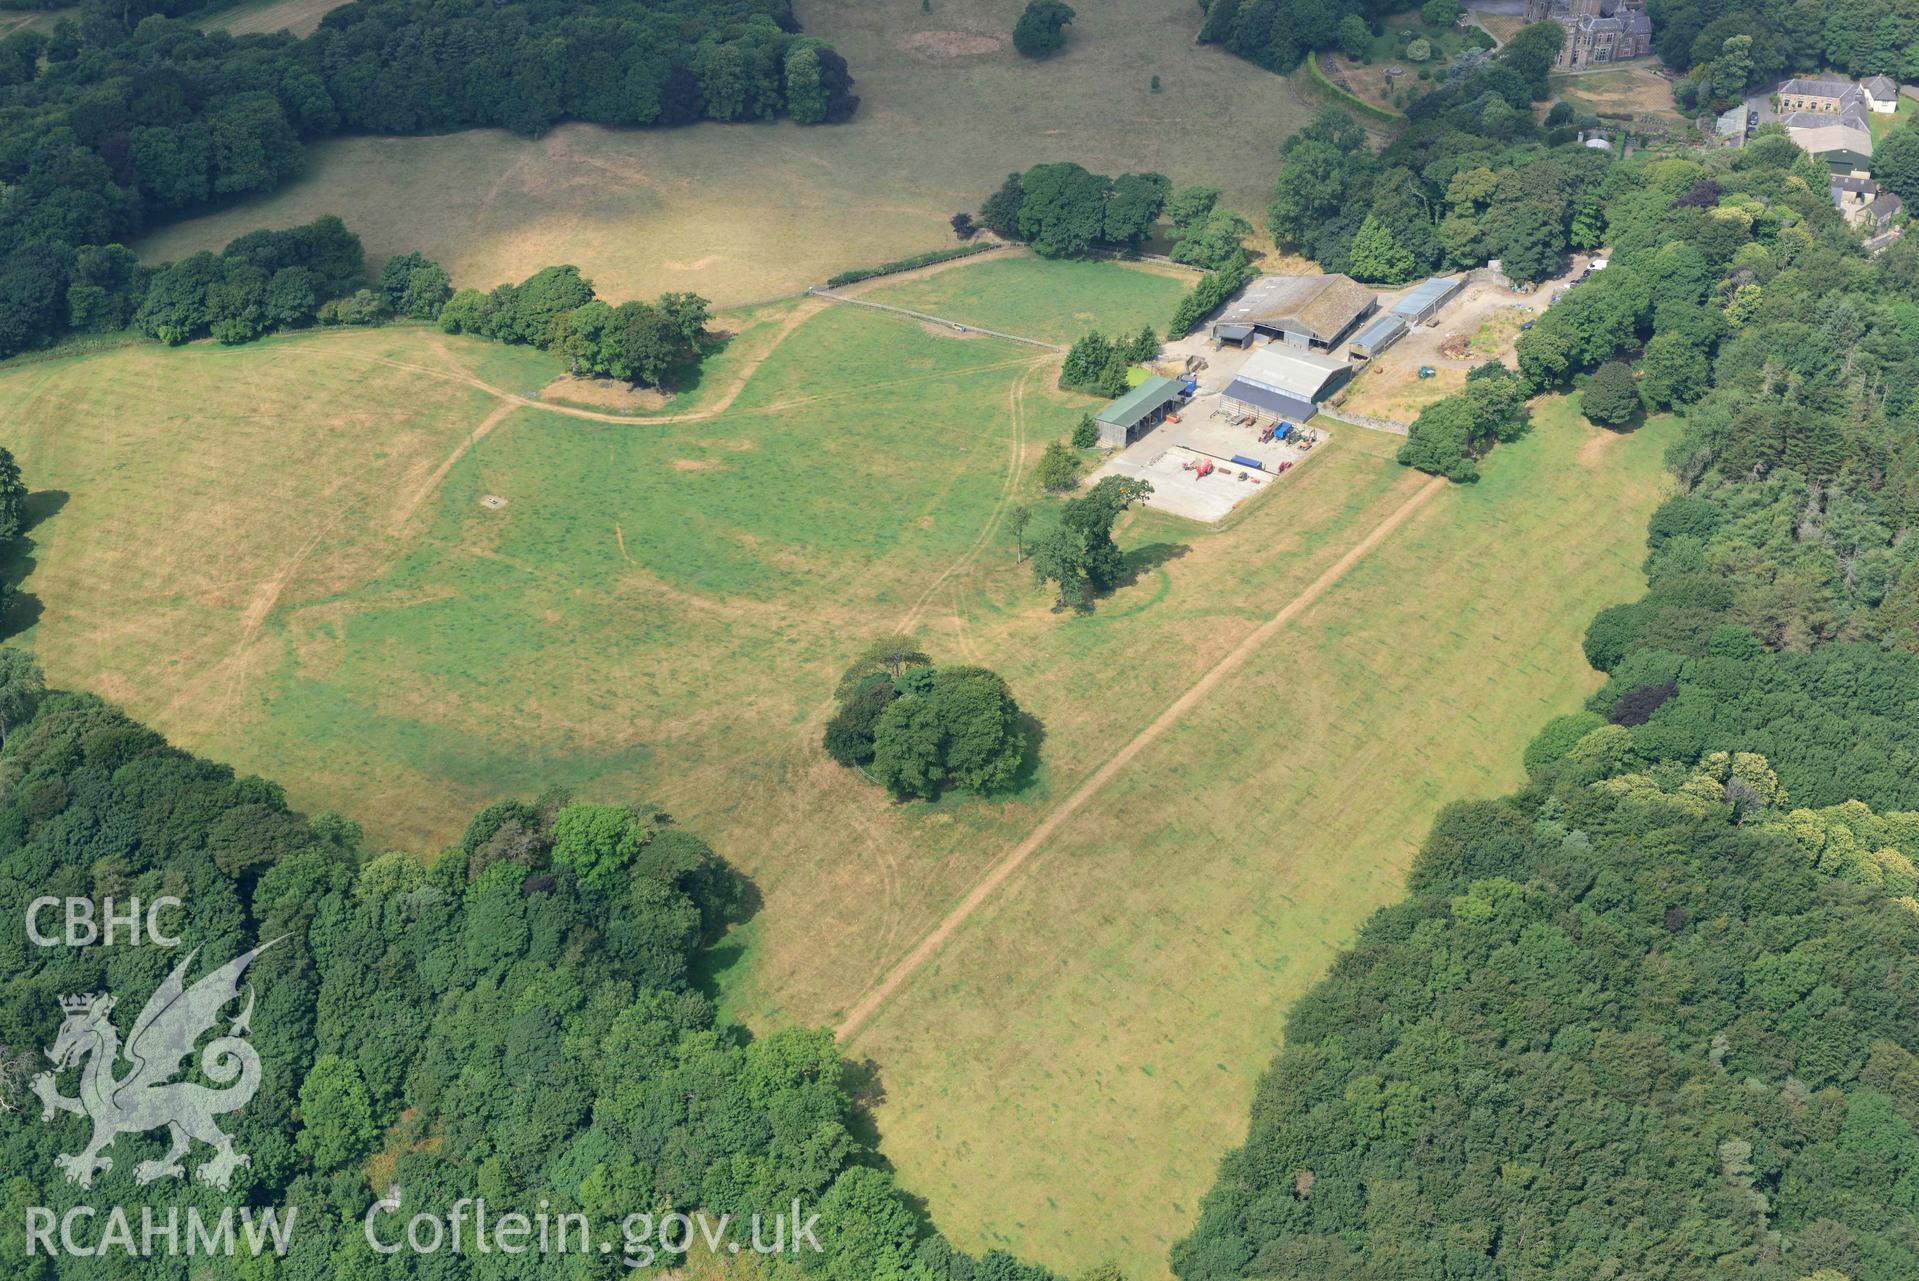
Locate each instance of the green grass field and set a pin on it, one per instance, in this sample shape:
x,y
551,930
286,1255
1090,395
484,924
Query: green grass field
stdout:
x,y
278,555
1111,1008
1016,293
750,212
1900,117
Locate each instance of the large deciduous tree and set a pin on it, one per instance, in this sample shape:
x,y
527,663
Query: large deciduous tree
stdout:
x,y
1078,554
1063,210
1611,395
1041,29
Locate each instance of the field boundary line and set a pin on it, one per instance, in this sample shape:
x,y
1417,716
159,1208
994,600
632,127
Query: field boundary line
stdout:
x,y
962,326
1366,421
997,875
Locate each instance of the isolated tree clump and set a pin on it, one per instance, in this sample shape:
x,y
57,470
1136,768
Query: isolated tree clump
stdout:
x,y
1041,29
919,729
1098,365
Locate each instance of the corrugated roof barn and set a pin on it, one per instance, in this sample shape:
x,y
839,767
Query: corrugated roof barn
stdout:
x,y
1304,311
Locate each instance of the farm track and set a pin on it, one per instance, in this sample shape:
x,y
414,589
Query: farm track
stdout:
x,y
948,578
936,320
270,590
874,1000
692,415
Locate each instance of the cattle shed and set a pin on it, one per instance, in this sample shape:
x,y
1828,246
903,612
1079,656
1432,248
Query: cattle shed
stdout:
x,y
1126,419
1282,382
1378,336
1419,306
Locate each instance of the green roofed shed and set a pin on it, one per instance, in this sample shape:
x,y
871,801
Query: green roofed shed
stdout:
x,y
1121,422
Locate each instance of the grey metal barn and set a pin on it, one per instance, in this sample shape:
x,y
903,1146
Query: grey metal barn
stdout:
x,y
1283,382
1419,306
1378,336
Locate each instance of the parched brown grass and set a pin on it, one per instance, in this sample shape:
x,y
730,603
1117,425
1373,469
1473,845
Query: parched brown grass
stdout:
x,y
754,211
1628,91
257,17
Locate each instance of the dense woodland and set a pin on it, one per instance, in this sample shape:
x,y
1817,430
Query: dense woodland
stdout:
x,y
131,116
1727,47
1473,177
1657,1014
519,1018
1724,47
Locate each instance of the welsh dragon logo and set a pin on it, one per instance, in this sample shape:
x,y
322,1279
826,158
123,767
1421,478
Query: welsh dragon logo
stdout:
x,y
146,1098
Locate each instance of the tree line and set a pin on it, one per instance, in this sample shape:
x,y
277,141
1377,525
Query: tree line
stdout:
x,y
1278,34
519,1017
1064,211
555,309
279,280
129,116
1655,1012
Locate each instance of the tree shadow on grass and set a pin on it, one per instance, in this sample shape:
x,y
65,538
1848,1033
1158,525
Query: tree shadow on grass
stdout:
x,y
726,951
861,1080
43,503
20,610
685,378
712,964
1146,558
1034,734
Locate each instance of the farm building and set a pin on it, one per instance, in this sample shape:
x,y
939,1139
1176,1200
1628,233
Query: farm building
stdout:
x,y
1419,306
1312,312
1376,337
1862,202
1282,382
1844,143
1132,415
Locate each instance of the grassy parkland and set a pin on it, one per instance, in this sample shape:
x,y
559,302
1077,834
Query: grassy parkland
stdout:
x,y
379,565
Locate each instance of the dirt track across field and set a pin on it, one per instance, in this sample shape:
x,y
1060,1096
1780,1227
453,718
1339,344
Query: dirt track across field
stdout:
x,y
870,1004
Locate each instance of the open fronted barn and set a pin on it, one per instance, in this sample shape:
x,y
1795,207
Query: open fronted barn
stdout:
x,y
1419,306
1132,415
